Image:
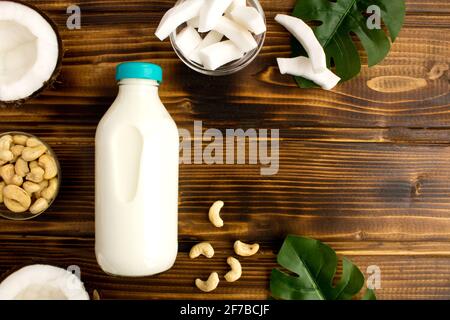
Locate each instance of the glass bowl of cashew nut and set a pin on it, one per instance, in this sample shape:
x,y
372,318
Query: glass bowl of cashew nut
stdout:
x,y
30,176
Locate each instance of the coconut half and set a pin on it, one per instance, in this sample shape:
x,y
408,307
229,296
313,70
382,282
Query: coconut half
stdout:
x,y
42,282
30,51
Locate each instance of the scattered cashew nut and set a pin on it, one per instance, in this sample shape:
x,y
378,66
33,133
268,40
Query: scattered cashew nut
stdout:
x,y
49,164
36,175
438,71
21,168
33,153
236,270
245,250
16,199
49,193
214,214
39,206
210,284
95,295
203,248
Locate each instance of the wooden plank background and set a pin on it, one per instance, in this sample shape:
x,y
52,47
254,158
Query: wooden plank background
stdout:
x,y
365,167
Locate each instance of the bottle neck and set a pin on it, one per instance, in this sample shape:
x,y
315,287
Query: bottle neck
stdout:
x,y
138,88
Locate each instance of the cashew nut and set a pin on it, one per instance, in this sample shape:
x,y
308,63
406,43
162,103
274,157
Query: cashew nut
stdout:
x,y
437,71
95,295
5,142
31,187
236,270
214,214
20,139
39,206
2,186
6,155
210,284
7,173
21,167
204,249
49,193
16,180
33,153
16,199
44,184
17,150
245,250
36,175
49,164
34,164
33,142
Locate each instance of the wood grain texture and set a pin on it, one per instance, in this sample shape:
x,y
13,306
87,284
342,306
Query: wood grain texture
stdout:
x,y
365,167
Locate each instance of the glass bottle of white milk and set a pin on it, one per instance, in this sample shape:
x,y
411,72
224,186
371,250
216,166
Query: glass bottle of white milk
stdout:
x,y
136,186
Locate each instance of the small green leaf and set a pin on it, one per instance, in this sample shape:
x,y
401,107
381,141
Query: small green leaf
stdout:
x,y
369,295
315,265
342,18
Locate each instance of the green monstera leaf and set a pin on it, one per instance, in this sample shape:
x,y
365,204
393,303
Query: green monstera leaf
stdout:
x,y
342,18
315,264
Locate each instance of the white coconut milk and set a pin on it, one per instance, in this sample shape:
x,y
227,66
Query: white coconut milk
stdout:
x,y
136,204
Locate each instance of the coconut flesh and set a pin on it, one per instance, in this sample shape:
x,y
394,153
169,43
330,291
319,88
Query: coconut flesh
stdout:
x,y
42,282
314,67
29,51
215,20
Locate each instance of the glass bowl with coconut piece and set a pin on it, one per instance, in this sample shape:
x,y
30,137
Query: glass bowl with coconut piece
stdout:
x,y
30,176
30,52
215,37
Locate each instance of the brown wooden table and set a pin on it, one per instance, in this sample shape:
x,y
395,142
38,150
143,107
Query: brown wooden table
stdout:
x,y
365,168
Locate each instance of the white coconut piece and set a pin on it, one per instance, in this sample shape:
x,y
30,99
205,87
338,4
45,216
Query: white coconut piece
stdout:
x,y
42,282
305,35
178,15
211,38
219,54
249,18
241,37
236,4
29,51
187,40
194,22
302,67
211,12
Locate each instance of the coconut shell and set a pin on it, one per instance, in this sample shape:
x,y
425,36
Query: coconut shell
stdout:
x,y
58,67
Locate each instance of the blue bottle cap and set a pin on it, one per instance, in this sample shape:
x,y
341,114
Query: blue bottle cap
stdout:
x,y
139,70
